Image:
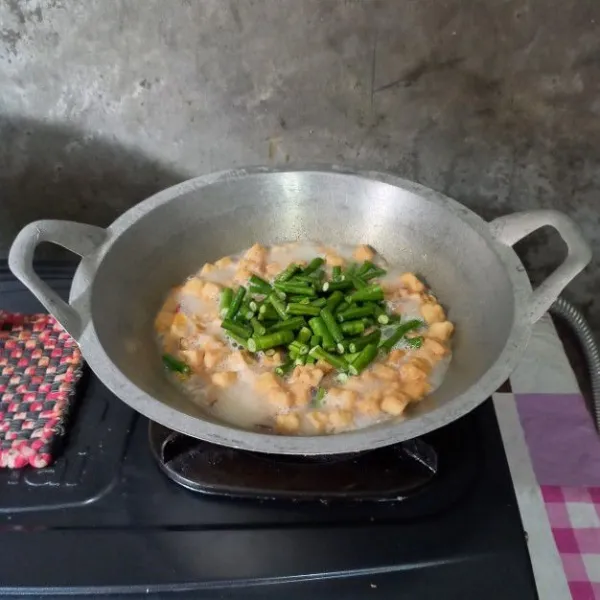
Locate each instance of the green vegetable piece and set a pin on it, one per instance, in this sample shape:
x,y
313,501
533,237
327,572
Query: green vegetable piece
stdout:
x,y
299,348
335,361
320,302
373,274
319,328
336,273
287,273
343,306
401,331
313,265
354,313
289,325
236,303
303,279
319,395
415,342
271,340
352,327
332,286
175,365
278,305
300,289
302,309
257,282
237,328
381,316
357,282
225,302
334,300
285,368
257,326
237,339
373,293
304,335
358,344
331,324
365,268
266,312
364,359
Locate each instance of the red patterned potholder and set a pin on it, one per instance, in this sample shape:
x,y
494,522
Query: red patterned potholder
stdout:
x,y
40,364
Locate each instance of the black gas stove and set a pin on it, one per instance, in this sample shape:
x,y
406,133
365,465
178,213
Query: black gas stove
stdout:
x,y
131,509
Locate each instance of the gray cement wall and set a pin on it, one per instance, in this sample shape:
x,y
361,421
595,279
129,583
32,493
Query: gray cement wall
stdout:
x,y
494,102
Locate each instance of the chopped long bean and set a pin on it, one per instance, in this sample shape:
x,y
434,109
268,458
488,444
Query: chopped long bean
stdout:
x,y
374,273
300,289
175,365
334,300
257,326
332,325
341,307
225,302
357,282
352,327
271,340
285,368
287,273
381,316
313,265
292,324
304,335
267,313
278,305
335,361
260,282
365,268
234,307
299,348
358,344
372,293
237,339
305,279
354,313
331,286
303,309
319,328
336,273
387,344
237,328
367,356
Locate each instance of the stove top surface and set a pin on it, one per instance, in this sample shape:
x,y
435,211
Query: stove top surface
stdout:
x,y
104,519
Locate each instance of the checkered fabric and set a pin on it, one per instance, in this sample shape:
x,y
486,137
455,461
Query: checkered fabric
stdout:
x,y
574,515
39,367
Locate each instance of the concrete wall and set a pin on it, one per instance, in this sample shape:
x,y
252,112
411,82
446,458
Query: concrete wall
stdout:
x,y
495,103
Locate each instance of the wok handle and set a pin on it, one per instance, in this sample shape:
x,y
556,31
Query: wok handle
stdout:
x,y
77,237
512,228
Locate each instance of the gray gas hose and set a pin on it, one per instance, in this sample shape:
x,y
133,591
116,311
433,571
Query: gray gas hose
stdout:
x,y
574,317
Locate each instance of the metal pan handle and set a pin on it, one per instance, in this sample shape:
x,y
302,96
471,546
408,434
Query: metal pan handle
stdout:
x,y
512,228
76,237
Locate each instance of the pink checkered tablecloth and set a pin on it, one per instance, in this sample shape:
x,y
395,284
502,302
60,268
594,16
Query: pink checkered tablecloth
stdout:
x,y
553,450
564,450
574,514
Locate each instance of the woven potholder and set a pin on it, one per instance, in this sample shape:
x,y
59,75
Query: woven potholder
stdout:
x,y
40,364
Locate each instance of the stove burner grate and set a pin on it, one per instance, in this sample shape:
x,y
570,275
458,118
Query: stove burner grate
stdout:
x,y
392,473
